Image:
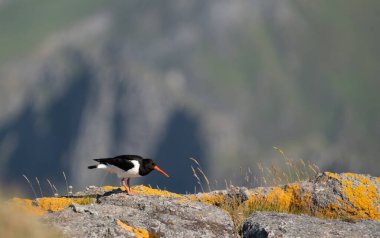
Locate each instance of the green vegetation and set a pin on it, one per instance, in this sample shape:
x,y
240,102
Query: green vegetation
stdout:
x,y
25,24
305,78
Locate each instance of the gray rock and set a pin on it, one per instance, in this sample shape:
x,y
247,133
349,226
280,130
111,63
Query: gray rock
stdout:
x,y
270,224
91,191
342,196
338,189
232,194
160,216
82,209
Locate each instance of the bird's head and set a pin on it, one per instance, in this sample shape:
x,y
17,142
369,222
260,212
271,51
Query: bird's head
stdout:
x,y
151,165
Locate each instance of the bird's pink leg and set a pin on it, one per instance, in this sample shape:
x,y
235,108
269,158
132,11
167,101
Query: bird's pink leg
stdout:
x,y
129,185
129,192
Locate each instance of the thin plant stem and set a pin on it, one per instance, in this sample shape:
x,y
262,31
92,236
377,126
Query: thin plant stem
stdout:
x,y
39,185
31,186
51,186
67,186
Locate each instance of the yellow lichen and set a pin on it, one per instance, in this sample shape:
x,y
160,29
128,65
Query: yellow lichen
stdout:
x,y
141,189
280,198
277,199
144,190
139,232
48,204
109,188
211,199
27,206
360,199
53,204
84,200
332,175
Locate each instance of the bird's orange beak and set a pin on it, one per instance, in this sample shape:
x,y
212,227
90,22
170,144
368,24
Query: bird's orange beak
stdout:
x,y
160,170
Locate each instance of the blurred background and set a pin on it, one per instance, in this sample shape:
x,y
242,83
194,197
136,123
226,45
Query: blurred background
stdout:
x,y
219,81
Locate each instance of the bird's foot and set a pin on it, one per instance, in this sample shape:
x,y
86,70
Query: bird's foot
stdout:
x,y
127,188
130,193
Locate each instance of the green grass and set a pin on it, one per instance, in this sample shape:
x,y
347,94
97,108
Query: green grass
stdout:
x,y
25,24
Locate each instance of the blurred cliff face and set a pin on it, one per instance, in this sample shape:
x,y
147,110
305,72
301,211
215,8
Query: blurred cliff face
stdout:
x,y
219,81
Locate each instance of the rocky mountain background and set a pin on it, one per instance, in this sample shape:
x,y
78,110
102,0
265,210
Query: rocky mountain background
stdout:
x,y
220,81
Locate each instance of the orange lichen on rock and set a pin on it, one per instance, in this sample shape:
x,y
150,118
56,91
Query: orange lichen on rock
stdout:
x,y
211,199
360,197
275,199
330,195
282,199
27,206
48,204
109,188
139,232
143,190
332,175
301,198
54,204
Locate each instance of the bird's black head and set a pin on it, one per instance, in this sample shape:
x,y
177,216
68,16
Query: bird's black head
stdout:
x,y
148,166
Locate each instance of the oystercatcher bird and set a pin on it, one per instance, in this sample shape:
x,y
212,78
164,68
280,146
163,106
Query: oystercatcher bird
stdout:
x,y
127,166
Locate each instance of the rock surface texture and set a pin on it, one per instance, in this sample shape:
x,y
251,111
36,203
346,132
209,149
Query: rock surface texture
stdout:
x,y
334,205
271,224
119,215
330,195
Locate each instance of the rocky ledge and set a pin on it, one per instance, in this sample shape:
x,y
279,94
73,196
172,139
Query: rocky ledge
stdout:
x,y
120,215
271,224
333,205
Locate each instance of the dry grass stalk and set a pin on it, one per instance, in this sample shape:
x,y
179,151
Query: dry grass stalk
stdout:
x,y
198,179
31,186
225,181
205,178
56,194
276,174
51,186
316,166
39,185
67,186
195,161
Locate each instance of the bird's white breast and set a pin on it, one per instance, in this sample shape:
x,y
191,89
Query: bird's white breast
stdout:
x,y
131,173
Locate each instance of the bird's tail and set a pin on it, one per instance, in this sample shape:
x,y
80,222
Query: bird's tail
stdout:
x,y
98,166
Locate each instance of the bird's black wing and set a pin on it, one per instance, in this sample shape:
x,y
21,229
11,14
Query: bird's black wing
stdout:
x,y
121,161
129,157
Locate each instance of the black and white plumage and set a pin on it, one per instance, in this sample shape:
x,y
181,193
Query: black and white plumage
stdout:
x,y
127,166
